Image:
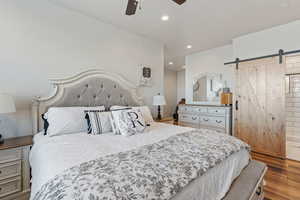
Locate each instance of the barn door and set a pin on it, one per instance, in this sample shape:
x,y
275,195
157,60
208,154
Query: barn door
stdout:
x,y
260,114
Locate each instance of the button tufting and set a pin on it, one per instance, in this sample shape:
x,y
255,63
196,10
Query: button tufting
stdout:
x,y
87,85
121,95
94,96
101,86
108,96
78,96
115,86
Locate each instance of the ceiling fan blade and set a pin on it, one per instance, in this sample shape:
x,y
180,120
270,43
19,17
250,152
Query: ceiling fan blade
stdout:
x,y
131,7
179,1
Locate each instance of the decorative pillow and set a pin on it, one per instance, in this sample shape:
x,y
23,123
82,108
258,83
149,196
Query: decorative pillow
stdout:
x,y
99,122
128,122
146,113
67,120
143,109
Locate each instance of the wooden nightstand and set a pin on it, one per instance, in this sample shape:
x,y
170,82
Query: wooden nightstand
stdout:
x,y
14,168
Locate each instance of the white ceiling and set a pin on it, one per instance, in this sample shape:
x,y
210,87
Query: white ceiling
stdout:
x,y
202,23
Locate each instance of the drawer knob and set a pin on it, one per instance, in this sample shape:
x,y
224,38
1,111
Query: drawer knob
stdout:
x,y
218,121
205,120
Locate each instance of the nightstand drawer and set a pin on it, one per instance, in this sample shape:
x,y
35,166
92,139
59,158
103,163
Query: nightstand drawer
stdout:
x,y
10,169
10,186
10,155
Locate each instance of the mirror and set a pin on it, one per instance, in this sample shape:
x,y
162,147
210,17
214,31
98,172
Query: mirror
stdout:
x,y
207,87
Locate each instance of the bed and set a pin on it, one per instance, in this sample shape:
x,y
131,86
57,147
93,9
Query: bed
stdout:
x,y
50,157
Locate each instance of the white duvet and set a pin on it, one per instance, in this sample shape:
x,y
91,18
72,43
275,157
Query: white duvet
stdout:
x,y
52,155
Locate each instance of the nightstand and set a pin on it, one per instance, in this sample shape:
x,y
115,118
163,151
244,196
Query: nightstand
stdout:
x,y
14,168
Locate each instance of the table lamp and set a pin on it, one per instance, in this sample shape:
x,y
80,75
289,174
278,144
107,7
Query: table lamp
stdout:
x,y
159,100
7,105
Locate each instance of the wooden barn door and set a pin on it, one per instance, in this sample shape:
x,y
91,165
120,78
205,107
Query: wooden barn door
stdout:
x,y
260,114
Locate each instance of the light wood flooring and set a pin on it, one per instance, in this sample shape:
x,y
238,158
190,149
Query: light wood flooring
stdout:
x,y
282,178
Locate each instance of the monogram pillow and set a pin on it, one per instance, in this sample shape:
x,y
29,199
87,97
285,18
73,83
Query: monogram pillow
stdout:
x,y
128,122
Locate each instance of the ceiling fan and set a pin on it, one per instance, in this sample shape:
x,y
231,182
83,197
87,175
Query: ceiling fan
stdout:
x,y
133,4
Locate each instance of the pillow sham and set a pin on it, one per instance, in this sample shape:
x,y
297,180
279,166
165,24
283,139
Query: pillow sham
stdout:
x,y
67,120
128,122
146,113
143,109
99,122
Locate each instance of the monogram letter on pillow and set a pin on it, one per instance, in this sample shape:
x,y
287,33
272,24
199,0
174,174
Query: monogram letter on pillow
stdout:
x,y
128,122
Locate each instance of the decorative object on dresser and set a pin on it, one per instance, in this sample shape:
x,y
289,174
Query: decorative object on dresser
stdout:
x,y
206,116
7,105
14,168
158,101
226,97
175,115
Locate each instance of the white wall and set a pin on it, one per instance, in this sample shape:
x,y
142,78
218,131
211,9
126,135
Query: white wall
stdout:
x,y
180,85
41,41
170,92
210,61
268,41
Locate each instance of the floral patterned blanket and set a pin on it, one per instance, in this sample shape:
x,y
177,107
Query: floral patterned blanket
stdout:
x,y
156,171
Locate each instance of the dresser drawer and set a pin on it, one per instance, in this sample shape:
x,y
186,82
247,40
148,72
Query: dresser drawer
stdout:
x,y
199,110
186,109
10,155
216,111
189,118
213,121
10,186
10,169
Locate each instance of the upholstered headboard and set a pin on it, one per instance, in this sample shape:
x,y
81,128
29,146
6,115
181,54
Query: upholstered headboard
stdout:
x,y
89,88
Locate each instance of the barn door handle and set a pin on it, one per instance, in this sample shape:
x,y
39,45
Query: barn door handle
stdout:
x,y
259,191
236,105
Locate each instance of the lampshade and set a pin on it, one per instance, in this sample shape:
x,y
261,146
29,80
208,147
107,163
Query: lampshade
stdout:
x,y
7,104
159,100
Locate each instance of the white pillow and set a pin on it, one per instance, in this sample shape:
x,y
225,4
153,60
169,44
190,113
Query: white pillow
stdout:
x,y
128,122
67,120
98,122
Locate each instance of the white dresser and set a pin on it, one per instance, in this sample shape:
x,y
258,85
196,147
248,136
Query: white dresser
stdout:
x,y
206,116
14,168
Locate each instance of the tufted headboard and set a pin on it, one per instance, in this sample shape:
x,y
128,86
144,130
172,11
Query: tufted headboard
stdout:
x,y
89,88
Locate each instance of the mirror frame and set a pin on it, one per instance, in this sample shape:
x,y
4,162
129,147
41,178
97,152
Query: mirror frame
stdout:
x,y
216,100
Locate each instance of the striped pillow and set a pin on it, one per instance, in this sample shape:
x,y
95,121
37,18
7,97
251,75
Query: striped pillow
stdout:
x,y
98,122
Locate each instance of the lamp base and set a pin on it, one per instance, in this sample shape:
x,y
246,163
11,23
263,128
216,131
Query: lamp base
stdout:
x,y
1,139
158,113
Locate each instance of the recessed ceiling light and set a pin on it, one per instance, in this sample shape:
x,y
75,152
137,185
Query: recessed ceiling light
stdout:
x,y
189,46
165,18
171,63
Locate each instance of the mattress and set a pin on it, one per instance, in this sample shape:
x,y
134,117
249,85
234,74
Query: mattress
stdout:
x,y
52,155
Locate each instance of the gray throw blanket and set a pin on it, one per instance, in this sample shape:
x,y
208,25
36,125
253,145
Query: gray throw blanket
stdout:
x,y
156,171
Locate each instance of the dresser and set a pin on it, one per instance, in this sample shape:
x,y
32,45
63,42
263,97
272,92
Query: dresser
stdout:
x,y
14,168
218,118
